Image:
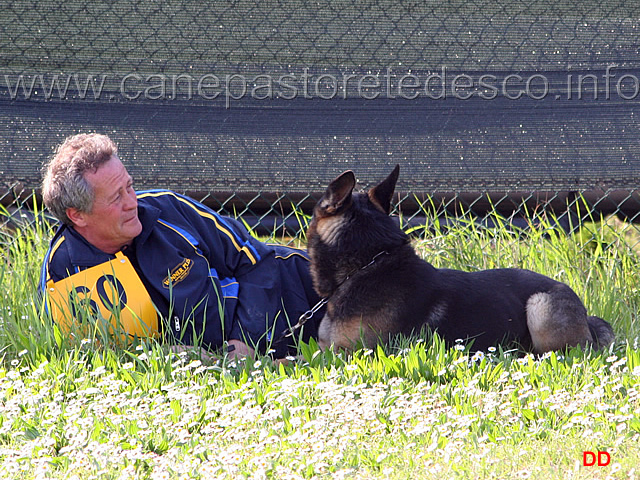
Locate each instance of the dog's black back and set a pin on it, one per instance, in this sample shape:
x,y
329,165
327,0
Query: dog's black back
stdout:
x,y
377,286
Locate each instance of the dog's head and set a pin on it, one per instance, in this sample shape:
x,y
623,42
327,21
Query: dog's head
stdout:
x,y
349,228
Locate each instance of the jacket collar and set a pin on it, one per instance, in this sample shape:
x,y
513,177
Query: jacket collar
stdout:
x,y
148,216
82,253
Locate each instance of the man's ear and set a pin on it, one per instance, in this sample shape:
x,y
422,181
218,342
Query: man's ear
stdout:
x,y
76,216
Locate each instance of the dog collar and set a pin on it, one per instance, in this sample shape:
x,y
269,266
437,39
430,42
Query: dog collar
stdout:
x,y
308,315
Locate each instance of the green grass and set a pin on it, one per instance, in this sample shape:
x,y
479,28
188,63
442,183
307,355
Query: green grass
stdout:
x,y
86,408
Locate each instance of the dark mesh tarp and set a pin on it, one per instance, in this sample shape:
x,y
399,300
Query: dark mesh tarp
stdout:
x,y
190,141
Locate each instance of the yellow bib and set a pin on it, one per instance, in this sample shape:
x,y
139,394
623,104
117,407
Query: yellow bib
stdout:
x,y
112,290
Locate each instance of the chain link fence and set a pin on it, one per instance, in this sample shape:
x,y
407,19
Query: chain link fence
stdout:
x,y
490,107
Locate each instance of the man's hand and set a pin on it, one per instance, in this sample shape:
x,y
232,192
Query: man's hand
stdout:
x,y
235,350
239,349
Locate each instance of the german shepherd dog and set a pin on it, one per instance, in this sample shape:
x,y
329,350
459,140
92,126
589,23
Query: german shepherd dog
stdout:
x,y
376,286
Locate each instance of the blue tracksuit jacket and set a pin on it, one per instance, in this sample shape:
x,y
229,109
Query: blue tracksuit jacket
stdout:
x,y
236,287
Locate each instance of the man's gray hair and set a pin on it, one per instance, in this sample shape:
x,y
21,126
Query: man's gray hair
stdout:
x,y
64,185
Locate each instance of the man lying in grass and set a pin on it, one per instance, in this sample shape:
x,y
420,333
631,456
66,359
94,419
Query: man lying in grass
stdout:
x,y
210,280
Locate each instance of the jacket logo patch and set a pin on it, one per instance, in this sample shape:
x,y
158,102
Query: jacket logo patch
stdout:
x,y
179,273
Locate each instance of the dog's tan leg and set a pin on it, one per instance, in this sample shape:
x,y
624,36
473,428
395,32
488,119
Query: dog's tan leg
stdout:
x,y
556,320
346,333
325,333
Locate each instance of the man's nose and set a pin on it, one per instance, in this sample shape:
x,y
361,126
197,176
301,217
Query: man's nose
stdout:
x,y
132,200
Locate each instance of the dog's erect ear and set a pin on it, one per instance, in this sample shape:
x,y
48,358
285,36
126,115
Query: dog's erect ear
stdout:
x,y
381,194
339,192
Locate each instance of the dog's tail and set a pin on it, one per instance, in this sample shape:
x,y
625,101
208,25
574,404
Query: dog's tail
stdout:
x,y
601,332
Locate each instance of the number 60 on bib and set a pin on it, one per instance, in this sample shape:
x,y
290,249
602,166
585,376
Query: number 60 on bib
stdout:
x,y
112,291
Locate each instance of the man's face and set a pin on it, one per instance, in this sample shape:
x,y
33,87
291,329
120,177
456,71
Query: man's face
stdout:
x,y
113,221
